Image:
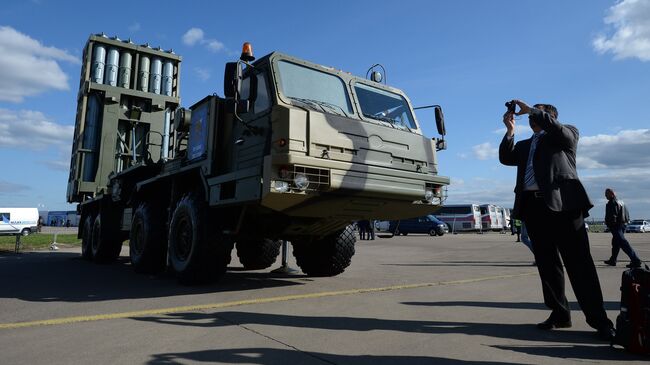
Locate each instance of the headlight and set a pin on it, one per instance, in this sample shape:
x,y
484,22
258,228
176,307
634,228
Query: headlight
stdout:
x,y
281,186
301,181
428,195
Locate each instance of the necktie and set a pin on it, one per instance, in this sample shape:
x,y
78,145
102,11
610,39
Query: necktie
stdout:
x,y
529,176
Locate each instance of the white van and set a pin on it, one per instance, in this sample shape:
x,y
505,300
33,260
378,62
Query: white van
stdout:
x,y
18,221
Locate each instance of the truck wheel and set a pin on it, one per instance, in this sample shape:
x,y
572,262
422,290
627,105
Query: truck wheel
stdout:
x,y
328,256
106,242
25,232
258,254
147,243
197,253
87,239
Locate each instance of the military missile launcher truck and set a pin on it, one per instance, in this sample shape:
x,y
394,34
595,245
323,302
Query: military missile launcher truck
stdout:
x,y
293,151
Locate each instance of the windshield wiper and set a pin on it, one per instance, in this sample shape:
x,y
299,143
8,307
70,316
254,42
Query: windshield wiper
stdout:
x,y
334,107
322,104
391,121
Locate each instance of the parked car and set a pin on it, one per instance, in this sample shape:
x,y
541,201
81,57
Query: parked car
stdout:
x,y
427,224
638,226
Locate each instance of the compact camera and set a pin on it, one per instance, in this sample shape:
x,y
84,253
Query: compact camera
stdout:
x,y
511,106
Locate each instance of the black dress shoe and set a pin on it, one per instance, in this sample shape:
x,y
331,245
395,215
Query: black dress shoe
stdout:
x,y
633,265
606,333
552,323
610,262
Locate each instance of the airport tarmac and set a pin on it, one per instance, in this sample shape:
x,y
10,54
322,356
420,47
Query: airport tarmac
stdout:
x,y
456,299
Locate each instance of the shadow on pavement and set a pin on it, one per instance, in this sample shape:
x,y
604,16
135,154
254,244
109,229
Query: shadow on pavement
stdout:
x,y
583,352
65,277
270,356
615,306
470,263
526,332
564,344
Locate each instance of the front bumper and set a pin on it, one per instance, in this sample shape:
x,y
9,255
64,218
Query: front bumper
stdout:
x,y
354,191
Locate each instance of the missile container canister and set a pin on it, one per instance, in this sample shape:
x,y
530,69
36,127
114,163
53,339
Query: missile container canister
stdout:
x,y
143,73
124,79
112,67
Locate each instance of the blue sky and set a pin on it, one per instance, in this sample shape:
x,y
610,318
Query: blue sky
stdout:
x,y
589,58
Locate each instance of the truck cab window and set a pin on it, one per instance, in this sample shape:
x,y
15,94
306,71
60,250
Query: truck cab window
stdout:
x,y
262,99
315,89
385,106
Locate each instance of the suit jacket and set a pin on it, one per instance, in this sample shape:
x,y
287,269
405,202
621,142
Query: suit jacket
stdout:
x,y
554,164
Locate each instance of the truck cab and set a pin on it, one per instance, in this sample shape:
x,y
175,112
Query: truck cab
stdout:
x,y
325,145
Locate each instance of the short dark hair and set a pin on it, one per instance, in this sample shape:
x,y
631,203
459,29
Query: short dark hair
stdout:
x,y
552,110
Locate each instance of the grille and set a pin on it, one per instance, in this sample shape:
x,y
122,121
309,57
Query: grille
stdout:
x,y
319,179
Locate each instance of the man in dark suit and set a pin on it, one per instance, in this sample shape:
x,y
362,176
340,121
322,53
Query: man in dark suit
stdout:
x,y
552,202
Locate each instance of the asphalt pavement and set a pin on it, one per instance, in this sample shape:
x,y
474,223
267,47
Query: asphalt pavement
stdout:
x,y
456,299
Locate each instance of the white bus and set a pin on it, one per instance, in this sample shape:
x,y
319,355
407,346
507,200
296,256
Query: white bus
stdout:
x,y
500,219
18,221
489,217
507,222
460,217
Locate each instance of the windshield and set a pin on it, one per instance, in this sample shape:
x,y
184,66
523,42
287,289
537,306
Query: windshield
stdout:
x,y
637,222
316,89
385,106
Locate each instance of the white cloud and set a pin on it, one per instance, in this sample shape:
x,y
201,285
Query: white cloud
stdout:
x,y
192,36
620,161
7,187
485,151
58,165
631,185
202,73
32,130
196,36
214,45
481,191
520,130
27,67
630,20
626,149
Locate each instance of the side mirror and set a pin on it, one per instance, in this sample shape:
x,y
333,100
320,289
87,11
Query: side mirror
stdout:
x,y
232,79
440,120
252,94
182,119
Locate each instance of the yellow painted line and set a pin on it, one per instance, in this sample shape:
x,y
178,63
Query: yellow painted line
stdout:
x,y
202,307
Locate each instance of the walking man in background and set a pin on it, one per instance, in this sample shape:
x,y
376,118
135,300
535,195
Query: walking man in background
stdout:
x,y
548,193
616,218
